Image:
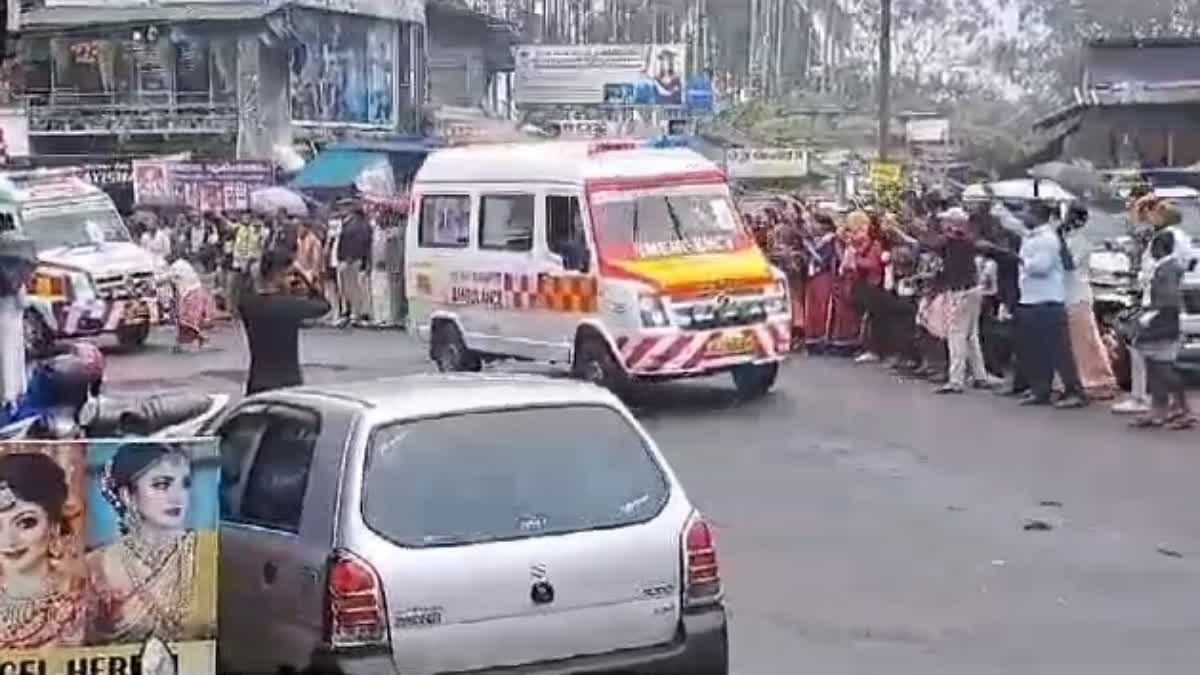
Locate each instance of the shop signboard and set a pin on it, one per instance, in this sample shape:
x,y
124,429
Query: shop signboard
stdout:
x,y
115,563
615,74
205,186
752,163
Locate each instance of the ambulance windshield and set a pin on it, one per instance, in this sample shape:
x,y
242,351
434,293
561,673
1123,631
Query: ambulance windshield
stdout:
x,y
55,229
666,222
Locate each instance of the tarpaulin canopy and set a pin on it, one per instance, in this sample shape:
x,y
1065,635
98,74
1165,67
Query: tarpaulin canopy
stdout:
x,y
335,169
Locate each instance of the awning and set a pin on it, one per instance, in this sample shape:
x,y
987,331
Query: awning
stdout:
x,y
335,169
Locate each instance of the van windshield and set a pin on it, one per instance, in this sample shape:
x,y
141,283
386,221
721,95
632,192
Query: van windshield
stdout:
x,y
513,474
54,229
668,222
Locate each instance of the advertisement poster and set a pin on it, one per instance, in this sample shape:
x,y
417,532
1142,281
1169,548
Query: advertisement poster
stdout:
x,y
206,186
635,74
342,69
108,556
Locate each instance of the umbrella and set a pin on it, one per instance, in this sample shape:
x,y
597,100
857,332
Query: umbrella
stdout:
x,y
1076,178
272,199
1019,189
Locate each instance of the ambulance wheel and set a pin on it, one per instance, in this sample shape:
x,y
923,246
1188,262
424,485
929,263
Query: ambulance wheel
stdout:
x,y
38,338
131,337
754,381
449,352
594,363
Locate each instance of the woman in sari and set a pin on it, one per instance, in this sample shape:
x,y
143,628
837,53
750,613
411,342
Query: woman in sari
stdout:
x,y
194,305
819,285
148,582
41,596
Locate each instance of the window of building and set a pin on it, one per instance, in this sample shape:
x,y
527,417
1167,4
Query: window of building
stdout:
x,y
506,222
445,221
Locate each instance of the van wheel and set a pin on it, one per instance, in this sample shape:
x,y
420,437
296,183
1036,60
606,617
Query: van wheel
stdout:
x,y
38,338
449,352
594,363
754,381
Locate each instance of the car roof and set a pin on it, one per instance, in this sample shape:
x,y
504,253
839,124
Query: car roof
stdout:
x,y
415,396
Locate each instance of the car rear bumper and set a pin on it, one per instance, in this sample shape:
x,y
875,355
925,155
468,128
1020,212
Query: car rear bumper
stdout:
x,y
1189,356
700,648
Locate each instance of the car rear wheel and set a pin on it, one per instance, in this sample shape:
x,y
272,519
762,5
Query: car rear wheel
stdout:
x,y
449,352
595,363
755,380
134,336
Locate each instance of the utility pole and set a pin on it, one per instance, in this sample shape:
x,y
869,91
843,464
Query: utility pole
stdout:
x,y
885,77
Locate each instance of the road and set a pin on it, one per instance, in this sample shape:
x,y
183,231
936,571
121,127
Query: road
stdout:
x,y
867,526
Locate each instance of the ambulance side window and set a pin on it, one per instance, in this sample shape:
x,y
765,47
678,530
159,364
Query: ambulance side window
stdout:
x,y
445,221
506,222
6,222
564,232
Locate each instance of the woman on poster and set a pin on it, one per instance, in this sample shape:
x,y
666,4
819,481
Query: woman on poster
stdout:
x,y
41,595
147,583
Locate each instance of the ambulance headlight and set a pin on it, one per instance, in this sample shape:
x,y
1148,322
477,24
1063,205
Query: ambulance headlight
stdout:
x,y
83,289
654,314
776,300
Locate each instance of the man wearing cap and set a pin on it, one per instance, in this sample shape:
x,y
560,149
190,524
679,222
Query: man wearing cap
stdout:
x,y
960,275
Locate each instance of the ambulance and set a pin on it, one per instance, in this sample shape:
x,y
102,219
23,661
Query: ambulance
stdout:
x,y
91,278
619,261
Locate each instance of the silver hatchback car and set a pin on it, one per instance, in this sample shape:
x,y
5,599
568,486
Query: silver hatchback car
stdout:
x,y
459,524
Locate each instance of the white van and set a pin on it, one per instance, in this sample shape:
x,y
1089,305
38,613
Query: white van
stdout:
x,y
620,261
91,277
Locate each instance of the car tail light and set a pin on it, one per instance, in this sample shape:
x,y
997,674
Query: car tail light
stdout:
x,y
356,615
702,574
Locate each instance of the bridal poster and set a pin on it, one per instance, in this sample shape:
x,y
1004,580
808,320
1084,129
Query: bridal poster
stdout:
x,y
108,557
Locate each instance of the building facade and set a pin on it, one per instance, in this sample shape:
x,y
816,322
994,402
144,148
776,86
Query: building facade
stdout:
x,y
1138,105
234,76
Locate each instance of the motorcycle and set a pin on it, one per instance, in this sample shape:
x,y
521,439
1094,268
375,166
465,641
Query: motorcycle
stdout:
x,y
63,401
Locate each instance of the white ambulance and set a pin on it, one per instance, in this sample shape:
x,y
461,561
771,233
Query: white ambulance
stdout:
x,y
91,277
620,261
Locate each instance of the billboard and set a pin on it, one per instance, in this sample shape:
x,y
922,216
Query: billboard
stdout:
x,y
110,556
751,163
632,74
205,186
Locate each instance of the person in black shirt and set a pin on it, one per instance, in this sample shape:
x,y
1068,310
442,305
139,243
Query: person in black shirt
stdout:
x,y
272,318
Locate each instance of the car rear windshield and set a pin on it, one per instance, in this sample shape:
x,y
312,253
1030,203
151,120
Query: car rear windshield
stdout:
x,y
510,474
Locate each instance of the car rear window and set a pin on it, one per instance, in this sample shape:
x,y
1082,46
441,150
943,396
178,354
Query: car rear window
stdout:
x,y
510,474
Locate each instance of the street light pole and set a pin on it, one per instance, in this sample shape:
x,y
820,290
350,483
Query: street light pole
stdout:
x,y
885,76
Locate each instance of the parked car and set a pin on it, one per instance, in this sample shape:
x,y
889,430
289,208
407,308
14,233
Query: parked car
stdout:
x,y
459,523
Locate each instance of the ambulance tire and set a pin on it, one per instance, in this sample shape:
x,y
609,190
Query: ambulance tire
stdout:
x,y
755,381
449,352
594,362
39,341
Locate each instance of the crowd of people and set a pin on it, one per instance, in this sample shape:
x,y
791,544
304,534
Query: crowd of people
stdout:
x,y
984,295
217,258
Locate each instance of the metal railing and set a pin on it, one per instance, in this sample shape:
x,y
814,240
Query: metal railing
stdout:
x,y
66,113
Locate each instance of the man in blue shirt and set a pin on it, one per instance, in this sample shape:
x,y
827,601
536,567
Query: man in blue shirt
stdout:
x,y
1045,342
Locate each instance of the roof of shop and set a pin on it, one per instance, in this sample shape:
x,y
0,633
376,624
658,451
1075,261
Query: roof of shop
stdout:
x,y
40,18
335,169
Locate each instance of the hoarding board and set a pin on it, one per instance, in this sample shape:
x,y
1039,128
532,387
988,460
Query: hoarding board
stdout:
x,y
113,556
630,74
205,186
750,163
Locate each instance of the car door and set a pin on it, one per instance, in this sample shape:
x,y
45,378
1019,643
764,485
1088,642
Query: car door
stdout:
x,y
506,273
239,434
566,270
272,570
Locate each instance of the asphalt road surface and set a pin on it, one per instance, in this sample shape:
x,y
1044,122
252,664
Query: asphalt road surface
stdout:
x,y
867,526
